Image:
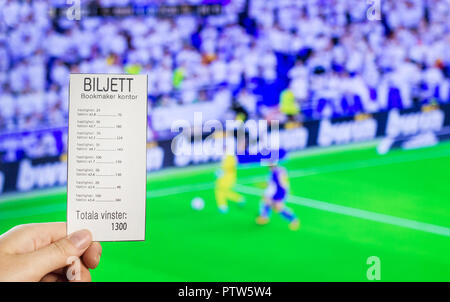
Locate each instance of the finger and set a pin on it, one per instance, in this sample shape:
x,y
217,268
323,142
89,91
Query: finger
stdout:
x,y
56,255
52,277
91,257
28,238
60,271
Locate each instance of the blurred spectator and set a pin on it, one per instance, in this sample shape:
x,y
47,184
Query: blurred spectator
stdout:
x,y
309,59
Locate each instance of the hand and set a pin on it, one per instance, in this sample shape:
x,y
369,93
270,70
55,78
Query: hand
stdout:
x,y
43,252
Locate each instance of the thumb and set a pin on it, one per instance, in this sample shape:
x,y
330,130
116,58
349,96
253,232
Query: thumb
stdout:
x,y
57,255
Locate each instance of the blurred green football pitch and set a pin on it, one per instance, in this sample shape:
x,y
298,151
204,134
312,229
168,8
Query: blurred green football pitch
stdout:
x,y
352,203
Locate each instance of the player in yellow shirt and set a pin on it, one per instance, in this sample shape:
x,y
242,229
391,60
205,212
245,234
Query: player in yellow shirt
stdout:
x,y
226,179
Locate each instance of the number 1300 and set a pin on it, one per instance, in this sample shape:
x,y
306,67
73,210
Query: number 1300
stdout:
x,y
119,226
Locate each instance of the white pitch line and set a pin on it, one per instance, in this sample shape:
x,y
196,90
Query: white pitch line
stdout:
x,y
180,189
353,212
311,203
342,166
320,204
351,165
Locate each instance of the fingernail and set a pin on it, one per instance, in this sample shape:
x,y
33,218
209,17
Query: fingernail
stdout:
x,y
81,239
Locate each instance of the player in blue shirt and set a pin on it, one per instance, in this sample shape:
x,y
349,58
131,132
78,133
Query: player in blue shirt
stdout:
x,y
275,197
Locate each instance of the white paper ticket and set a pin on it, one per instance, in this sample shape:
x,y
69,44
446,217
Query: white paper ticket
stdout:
x,y
106,180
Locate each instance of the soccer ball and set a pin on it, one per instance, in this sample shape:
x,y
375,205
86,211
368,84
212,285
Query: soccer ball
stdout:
x,y
198,203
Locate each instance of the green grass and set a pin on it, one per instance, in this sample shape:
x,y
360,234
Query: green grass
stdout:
x,y
187,245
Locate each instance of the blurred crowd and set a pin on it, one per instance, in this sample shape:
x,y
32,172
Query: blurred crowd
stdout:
x,y
286,59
